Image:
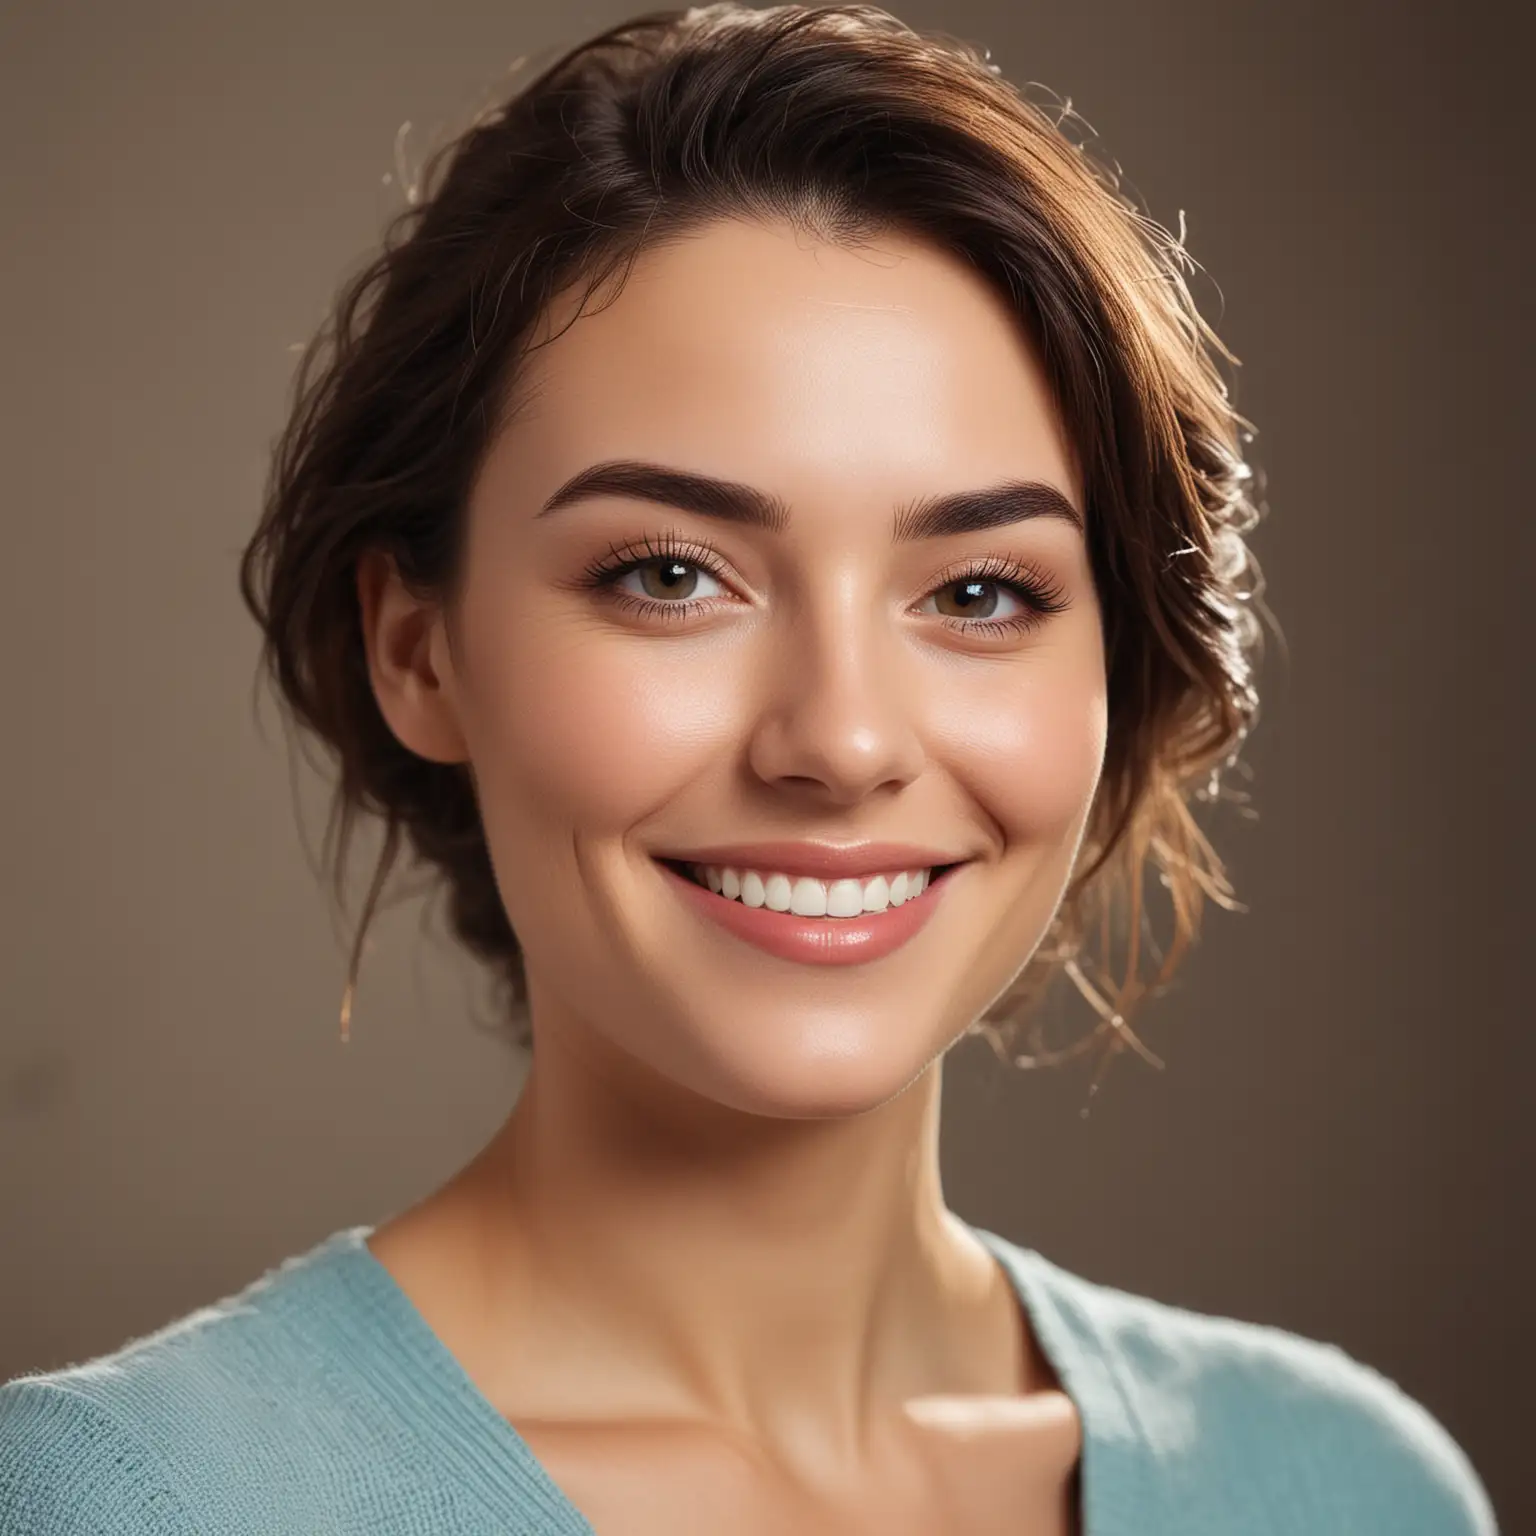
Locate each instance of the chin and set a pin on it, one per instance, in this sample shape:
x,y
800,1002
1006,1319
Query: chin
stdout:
x,y
823,1066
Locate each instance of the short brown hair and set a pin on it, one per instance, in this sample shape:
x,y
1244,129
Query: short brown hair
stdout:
x,y
847,123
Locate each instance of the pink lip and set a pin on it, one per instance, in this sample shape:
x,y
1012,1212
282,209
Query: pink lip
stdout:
x,y
819,861
815,940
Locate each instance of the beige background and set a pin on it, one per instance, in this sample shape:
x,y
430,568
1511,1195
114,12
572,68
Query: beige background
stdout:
x,y
1342,1141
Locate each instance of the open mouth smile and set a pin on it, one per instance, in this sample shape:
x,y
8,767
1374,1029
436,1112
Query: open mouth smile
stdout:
x,y
817,922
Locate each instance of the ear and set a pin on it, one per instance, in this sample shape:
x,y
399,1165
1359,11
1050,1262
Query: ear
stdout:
x,y
409,663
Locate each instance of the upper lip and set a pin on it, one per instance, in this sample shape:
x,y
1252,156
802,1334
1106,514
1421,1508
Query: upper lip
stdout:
x,y
820,861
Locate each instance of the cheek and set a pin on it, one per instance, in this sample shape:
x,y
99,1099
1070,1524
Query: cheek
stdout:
x,y
1031,747
567,729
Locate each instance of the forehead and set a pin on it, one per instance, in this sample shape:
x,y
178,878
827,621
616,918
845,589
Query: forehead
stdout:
x,y
753,351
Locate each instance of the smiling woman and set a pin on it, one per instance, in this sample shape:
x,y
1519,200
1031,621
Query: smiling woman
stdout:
x,y
768,531
846,595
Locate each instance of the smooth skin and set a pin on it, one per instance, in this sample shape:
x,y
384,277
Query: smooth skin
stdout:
x,y
706,1269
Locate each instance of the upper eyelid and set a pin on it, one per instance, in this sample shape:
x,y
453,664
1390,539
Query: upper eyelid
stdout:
x,y
1040,592
626,557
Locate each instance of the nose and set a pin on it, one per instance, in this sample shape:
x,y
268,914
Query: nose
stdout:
x,y
840,718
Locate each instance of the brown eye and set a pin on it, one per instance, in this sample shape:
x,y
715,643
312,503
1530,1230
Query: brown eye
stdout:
x,y
668,578
978,599
661,583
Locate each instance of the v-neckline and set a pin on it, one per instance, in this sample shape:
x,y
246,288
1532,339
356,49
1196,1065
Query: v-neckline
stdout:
x,y
416,1370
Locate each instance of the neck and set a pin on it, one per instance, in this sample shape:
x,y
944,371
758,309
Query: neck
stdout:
x,y
777,1278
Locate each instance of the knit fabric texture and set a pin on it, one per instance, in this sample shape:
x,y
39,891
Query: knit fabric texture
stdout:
x,y
318,1402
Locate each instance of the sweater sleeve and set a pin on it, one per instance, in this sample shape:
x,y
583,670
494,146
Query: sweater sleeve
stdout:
x,y
1391,1464
67,1468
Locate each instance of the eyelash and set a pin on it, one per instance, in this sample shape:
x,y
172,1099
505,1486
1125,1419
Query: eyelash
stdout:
x,y
1041,598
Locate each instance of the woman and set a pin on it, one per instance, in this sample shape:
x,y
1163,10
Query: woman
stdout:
x,y
768,532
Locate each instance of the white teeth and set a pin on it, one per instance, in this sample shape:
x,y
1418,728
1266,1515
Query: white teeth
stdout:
x,y
805,897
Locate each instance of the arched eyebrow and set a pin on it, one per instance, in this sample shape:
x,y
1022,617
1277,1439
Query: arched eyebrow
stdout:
x,y
930,517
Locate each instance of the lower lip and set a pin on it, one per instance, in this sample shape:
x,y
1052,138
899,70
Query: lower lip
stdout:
x,y
816,940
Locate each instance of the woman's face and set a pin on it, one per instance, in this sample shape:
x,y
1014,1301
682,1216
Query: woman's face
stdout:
x,y
838,676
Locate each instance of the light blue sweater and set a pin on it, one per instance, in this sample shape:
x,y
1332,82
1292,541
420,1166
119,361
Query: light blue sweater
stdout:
x,y
318,1402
